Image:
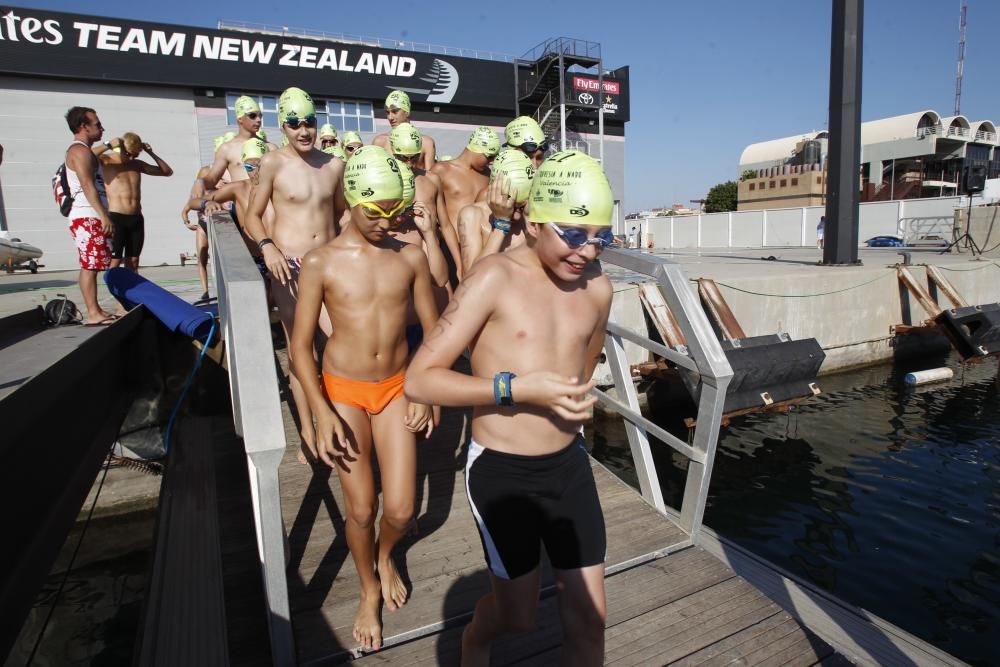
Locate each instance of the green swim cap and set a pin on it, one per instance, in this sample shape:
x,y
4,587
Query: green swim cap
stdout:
x,y
218,141
295,103
519,168
405,140
484,141
262,134
524,129
336,151
570,187
253,148
245,105
399,100
284,140
351,138
228,136
327,131
372,175
409,183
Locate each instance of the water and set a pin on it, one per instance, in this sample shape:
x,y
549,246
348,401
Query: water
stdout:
x,y
886,496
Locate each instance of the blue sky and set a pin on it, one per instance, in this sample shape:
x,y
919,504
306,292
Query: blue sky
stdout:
x,y
707,78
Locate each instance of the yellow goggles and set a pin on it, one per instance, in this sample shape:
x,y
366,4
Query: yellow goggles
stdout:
x,y
373,211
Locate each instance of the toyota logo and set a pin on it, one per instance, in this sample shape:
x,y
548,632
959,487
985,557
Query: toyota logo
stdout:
x,y
585,98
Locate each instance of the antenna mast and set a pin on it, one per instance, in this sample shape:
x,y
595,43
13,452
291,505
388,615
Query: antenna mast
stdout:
x,y
961,60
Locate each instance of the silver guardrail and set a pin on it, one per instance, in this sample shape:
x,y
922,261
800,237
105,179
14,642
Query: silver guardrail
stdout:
x,y
702,356
253,386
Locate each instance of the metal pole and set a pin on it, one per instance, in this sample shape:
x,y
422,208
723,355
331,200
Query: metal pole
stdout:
x,y
600,108
846,38
562,103
517,91
892,181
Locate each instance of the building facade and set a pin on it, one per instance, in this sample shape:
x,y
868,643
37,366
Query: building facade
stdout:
x,y
175,87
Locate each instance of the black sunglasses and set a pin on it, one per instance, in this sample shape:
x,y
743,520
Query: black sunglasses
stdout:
x,y
253,115
293,122
531,147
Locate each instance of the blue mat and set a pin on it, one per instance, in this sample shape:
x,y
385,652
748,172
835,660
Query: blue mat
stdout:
x,y
131,290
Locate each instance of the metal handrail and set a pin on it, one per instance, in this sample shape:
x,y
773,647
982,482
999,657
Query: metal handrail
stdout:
x,y
253,386
983,135
958,131
927,130
703,355
366,40
567,46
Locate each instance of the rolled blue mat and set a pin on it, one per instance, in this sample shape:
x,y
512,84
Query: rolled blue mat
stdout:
x,y
131,289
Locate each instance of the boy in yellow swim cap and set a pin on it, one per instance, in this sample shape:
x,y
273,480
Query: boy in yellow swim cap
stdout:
x,y
370,281
397,112
227,155
535,319
526,135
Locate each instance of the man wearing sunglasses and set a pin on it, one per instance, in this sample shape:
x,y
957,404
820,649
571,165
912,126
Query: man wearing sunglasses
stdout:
x,y
535,319
397,112
524,134
305,186
497,224
351,141
123,174
369,281
227,156
467,175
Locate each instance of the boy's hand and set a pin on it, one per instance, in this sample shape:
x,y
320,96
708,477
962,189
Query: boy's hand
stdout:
x,y
276,263
331,440
418,417
500,198
564,396
423,218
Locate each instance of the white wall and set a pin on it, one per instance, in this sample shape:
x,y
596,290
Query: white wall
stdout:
x,y
34,134
791,227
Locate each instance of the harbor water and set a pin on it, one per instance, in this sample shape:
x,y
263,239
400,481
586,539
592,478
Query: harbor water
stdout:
x,y
886,495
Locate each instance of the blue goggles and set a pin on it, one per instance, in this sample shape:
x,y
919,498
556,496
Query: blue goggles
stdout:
x,y
577,238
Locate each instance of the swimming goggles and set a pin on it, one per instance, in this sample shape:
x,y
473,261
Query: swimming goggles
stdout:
x,y
531,147
406,158
293,122
577,238
250,167
373,211
252,115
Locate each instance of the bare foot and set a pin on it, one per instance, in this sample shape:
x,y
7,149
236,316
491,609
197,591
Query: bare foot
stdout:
x,y
393,588
473,654
367,627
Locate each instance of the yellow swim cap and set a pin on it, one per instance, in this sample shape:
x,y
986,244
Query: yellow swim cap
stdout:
x,y
409,183
405,140
570,187
262,134
295,103
228,136
218,141
245,105
523,130
519,168
351,138
327,131
284,140
372,175
484,141
397,99
253,148
336,151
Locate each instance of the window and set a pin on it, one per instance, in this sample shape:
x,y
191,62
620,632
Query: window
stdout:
x,y
771,185
344,115
784,182
795,182
752,187
818,180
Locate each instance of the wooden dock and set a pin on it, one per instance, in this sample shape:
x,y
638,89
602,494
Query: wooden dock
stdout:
x,y
668,602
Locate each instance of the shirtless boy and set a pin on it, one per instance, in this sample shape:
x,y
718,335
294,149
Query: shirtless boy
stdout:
x,y
397,111
497,224
465,176
123,176
535,318
407,144
367,281
526,135
305,186
227,155
327,136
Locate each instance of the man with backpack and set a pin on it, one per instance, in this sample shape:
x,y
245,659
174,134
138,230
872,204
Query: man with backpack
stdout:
x,y
89,222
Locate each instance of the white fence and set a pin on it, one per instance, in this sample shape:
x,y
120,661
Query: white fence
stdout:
x,y
910,219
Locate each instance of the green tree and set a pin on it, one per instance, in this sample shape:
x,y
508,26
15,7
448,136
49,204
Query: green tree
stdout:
x,y
748,174
721,198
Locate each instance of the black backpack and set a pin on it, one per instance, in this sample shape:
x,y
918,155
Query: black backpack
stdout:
x,y
61,191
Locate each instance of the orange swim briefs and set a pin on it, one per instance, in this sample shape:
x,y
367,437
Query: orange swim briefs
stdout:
x,y
372,397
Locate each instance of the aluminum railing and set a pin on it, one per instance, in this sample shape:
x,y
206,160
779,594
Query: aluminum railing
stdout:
x,y
703,357
253,386
568,46
928,130
983,135
958,132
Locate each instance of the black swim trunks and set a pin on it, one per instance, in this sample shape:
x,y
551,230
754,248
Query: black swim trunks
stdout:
x,y
522,502
129,234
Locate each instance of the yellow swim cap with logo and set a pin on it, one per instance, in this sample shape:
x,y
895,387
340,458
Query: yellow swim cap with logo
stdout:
x,y
295,103
253,148
244,105
571,188
397,99
405,140
349,138
327,131
484,141
336,151
372,175
262,134
523,130
409,184
517,167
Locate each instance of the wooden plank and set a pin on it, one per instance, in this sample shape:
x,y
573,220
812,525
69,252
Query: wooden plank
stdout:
x,y
796,649
663,320
733,648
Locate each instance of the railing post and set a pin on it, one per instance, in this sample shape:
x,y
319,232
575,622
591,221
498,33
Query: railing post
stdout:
x,y
729,243
803,241
763,228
